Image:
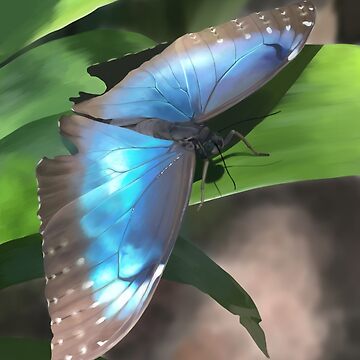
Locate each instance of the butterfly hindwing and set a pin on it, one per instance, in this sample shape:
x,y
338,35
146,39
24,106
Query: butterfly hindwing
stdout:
x,y
110,215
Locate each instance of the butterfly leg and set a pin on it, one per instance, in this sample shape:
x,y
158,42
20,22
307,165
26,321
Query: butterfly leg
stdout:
x,y
202,186
234,133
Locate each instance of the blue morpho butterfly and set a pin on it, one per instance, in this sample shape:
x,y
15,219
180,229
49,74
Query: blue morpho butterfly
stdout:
x,y
111,213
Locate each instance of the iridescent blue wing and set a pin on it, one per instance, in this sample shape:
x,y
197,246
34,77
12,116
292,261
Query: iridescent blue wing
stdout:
x,y
249,52
110,215
203,74
111,72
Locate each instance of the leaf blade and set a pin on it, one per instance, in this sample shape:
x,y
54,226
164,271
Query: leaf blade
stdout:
x,y
39,83
24,348
47,16
25,251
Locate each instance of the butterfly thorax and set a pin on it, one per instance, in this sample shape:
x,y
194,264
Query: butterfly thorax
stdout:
x,y
191,135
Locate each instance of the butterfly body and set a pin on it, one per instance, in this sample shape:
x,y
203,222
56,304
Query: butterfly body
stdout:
x,y
111,212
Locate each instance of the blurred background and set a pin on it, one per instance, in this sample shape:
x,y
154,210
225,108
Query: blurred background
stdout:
x,y
295,248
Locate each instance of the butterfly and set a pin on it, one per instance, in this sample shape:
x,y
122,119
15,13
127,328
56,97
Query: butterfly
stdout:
x,y
110,213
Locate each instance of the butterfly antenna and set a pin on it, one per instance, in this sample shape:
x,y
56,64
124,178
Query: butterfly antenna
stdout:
x,y
225,166
251,119
217,188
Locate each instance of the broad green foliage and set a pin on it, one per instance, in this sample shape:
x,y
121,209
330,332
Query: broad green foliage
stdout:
x,y
164,20
316,135
25,251
24,21
187,265
19,154
209,13
29,349
18,348
39,83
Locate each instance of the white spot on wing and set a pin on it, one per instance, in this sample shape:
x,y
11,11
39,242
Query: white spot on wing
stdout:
x,y
308,23
293,55
101,343
64,244
269,30
94,305
80,261
100,320
158,272
80,333
40,161
238,24
69,291
87,285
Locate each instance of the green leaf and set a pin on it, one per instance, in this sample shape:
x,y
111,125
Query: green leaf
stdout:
x,y
316,135
164,20
209,13
19,154
187,265
39,83
21,260
20,348
29,349
24,21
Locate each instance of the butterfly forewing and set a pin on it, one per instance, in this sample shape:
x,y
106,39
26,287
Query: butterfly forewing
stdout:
x,y
110,216
264,43
202,74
